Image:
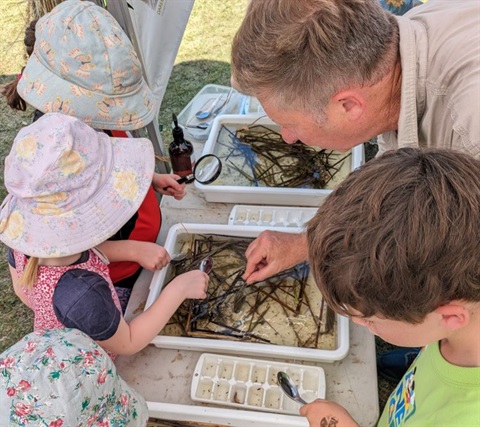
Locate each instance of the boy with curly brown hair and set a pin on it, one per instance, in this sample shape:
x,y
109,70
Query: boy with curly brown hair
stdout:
x,y
396,247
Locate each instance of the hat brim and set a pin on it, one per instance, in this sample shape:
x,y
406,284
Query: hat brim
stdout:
x,y
46,91
102,215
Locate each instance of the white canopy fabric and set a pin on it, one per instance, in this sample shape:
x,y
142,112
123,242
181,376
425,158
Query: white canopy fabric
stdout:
x,y
159,26
156,29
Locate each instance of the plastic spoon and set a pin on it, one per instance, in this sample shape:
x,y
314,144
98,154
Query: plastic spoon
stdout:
x,y
213,108
208,108
289,387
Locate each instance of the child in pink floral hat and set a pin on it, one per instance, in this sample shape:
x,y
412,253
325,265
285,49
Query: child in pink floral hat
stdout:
x,y
69,189
84,65
61,378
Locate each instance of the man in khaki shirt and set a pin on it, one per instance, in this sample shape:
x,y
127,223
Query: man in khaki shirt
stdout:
x,y
334,74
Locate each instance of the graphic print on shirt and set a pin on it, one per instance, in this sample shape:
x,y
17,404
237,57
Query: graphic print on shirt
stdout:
x,y
401,405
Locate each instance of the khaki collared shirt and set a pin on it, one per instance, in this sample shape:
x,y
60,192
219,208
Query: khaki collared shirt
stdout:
x,y
440,95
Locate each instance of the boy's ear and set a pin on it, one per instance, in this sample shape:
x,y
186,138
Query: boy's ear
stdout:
x,y
350,103
454,315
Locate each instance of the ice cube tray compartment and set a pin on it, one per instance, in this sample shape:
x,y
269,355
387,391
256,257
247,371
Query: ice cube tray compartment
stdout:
x,y
270,216
252,383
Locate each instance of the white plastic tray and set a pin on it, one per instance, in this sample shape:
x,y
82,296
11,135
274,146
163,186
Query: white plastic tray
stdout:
x,y
270,216
237,104
252,383
238,347
216,192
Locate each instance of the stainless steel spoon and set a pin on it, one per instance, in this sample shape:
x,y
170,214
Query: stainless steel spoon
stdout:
x,y
178,257
289,387
206,265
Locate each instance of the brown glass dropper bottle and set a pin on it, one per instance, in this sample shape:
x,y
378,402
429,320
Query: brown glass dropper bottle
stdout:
x,y
180,151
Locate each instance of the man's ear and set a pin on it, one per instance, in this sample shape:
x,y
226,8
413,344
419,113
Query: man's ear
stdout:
x,y
455,315
350,103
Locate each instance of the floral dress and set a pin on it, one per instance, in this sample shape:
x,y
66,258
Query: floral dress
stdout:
x,y
62,378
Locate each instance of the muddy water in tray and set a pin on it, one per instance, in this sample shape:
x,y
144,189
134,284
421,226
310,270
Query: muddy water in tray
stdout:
x,y
285,310
259,157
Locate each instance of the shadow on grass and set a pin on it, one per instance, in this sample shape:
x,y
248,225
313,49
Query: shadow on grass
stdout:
x,y
16,320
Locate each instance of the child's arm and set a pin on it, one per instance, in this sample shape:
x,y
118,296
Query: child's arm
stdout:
x,y
131,338
17,287
169,181
149,255
323,412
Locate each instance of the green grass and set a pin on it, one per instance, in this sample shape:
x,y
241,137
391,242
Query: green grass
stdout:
x,y
12,29
204,55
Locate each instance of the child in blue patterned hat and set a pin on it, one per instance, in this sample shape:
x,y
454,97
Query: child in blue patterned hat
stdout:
x,y
84,65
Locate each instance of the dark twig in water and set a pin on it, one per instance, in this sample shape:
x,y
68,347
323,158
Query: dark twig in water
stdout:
x,y
280,310
261,157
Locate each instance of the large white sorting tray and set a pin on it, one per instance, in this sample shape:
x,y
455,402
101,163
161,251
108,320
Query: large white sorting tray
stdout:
x,y
179,233
245,194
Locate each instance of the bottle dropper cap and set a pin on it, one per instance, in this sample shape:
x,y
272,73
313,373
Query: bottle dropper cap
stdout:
x,y
177,131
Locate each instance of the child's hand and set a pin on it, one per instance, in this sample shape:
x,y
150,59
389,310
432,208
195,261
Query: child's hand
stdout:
x,y
151,256
192,284
323,412
161,181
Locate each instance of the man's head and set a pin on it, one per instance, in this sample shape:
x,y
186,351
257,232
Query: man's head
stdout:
x,y
296,55
399,237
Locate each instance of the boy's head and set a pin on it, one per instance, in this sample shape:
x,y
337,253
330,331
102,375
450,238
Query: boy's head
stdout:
x,y
84,65
400,236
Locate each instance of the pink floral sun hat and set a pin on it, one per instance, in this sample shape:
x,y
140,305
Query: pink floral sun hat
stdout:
x,y
62,378
70,187
84,65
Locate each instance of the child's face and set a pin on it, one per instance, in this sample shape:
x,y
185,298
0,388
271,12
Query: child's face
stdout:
x,y
402,333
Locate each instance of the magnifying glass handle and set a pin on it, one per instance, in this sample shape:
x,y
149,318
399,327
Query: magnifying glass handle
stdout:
x,y
181,180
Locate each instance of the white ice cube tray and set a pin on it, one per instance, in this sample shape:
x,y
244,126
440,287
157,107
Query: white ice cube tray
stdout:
x,y
270,216
252,383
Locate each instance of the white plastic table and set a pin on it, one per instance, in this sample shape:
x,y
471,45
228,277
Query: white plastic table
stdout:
x,y
163,376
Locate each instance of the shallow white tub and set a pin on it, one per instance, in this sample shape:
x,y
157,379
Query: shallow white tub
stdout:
x,y
222,191
238,347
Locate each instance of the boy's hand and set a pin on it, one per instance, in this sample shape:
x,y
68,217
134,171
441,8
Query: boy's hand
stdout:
x,y
322,413
192,284
151,256
169,181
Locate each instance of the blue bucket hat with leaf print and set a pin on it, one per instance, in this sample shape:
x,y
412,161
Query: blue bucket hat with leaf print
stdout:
x,y
84,65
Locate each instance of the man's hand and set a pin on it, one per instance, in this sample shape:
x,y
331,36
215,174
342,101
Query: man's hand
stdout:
x,y
272,252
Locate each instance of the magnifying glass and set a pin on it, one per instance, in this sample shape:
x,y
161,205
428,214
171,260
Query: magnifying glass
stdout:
x,y
206,170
